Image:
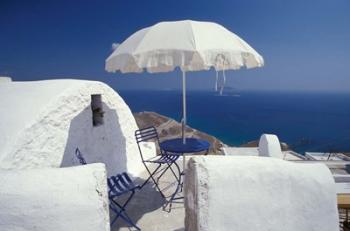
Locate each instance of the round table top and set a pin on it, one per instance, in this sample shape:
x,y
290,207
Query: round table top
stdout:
x,y
192,145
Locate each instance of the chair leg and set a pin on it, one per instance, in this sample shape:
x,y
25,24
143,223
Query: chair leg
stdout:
x,y
178,186
121,212
177,177
178,168
118,211
169,166
166,169
151,177
156,182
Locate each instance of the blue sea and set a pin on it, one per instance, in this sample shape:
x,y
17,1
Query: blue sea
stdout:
x,y
305,121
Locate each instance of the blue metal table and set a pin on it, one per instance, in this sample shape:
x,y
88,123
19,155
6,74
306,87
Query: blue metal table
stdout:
x,y
192,145
176,146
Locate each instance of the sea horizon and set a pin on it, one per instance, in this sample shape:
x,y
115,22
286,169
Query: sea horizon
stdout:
x,y
314,121
238,91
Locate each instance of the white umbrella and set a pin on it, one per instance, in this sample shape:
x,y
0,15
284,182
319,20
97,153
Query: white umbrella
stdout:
x,y
190,45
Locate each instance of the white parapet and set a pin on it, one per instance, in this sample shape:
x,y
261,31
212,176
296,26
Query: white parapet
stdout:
x,y
254,151
5,79
252,193
58,199
269,145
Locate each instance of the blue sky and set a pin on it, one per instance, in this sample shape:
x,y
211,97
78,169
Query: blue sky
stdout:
x,y
305,44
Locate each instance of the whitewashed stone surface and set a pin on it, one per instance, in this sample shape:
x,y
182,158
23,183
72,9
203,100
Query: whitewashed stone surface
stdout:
x,y
257,193
55,199
42,122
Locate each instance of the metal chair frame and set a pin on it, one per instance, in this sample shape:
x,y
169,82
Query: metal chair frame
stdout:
x,y
118,185
169,159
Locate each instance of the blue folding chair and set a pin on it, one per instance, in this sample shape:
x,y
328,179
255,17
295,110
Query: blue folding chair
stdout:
x,y
118,185
163,159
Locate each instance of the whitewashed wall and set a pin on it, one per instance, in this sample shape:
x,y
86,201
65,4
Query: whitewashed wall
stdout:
x,y
5,79
257,193
54,199
44,121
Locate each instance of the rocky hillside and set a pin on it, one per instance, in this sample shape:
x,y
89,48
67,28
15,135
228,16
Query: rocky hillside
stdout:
x,y
169,128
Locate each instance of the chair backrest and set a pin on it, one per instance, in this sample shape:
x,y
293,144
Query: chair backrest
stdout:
x,y
146,135
119,184
80,157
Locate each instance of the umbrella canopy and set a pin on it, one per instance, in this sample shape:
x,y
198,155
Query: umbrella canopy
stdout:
x,y
189,45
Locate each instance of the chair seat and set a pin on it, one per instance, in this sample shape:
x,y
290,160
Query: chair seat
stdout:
x,y
120,184
163,159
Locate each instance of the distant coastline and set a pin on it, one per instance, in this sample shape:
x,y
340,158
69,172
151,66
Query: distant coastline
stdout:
x,y
169,128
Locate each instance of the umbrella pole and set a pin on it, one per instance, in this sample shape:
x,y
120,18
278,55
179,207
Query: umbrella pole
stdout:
x,y
184,120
